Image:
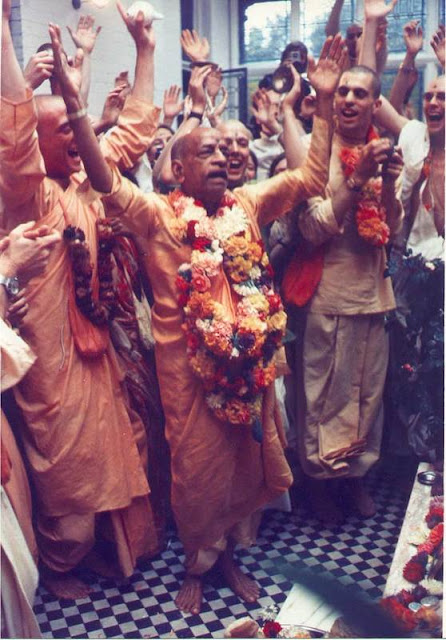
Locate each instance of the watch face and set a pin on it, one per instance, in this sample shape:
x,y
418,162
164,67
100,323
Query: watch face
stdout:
x,y
13,286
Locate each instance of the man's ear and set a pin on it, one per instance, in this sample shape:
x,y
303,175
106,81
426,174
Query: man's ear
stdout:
x,y
377,105
178,171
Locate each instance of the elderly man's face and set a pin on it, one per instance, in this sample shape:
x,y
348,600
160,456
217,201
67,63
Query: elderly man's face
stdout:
x,y
236,140
434,108
354,104
202,170
56,139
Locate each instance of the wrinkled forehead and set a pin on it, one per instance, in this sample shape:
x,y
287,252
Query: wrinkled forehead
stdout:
x,y
356,81
203,136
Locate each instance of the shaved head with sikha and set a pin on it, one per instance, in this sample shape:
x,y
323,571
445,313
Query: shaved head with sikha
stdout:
x,y
56,139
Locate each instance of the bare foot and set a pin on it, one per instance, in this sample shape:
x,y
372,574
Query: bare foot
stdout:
x,y
63,585
243,586
190,595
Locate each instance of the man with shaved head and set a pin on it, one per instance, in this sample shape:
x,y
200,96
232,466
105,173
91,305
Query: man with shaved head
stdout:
x,y
216,323
86,452
237,138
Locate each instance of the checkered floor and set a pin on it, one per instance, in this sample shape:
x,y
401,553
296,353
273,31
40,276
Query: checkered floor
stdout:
x,y
359,552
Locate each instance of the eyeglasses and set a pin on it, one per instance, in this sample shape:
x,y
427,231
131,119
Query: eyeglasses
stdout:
x,y
429,96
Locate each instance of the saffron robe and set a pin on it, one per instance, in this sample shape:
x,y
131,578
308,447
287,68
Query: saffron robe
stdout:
x,y
81,445
221,477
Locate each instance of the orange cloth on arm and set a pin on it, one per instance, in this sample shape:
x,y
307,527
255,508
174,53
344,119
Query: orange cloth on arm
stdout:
x,y
79,439
221,476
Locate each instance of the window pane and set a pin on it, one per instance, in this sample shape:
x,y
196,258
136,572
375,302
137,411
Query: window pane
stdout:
x,y
404,11
266,29
314,17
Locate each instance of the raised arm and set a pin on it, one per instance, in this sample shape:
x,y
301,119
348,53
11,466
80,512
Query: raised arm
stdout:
x,y
293,131
407,75
22,168
334,19
144,39
95,165
85,38
13,83
374,12
278,195
162,171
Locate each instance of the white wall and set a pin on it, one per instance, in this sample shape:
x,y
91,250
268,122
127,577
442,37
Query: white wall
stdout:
x,y
114,50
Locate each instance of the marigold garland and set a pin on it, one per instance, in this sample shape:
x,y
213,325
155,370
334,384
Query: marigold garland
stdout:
x,y
370,214
97,311
231,358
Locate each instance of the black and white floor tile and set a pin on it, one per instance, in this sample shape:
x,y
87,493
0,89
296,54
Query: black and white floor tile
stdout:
x,y
359,552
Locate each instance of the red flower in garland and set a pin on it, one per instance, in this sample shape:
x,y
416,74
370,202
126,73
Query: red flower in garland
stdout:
x,y
349,159
415,569
435,515
403,617
201,244
271,629
191,230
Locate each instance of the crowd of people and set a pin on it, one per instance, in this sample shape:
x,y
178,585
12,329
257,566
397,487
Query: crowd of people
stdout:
x,y
194,309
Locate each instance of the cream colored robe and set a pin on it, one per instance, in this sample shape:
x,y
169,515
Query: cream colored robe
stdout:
x,y
345,348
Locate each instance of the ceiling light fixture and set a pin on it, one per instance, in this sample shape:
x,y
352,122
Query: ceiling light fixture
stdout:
x,y
98,3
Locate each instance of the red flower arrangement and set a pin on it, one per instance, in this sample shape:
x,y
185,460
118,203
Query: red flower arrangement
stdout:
x,y
271,629
415,568
370,214
405,618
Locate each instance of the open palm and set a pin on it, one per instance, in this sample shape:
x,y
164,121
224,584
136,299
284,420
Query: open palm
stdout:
x,y
324,75
68,76
375,9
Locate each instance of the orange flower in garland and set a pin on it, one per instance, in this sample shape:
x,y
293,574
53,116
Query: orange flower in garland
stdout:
x,y
231,357
370,214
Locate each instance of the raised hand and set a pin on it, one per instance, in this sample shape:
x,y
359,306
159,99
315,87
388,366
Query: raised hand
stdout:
x,y
40,67
68,76
438,44
324,75
172,103
213,83
197,49
264,111
142,34
413,37
113,105
196,89
219,108
293,94
6,10
375,9
85,35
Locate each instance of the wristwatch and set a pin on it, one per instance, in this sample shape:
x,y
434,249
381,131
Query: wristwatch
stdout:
x,y
11,285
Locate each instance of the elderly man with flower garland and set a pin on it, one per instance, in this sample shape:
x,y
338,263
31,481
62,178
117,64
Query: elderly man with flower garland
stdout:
x,y
86,452
217,323
345,347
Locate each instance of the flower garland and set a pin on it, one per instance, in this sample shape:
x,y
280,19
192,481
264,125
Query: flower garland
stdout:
x,y
97,311
233,359
406,607
370,214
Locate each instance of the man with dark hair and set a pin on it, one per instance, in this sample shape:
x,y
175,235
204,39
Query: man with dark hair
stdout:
x,y
343,363
295,53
